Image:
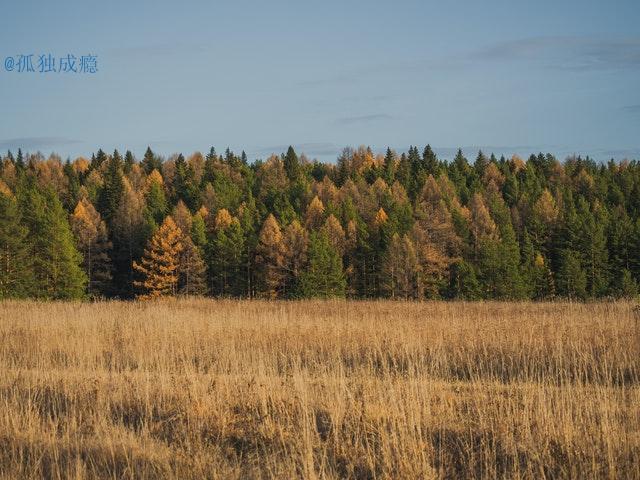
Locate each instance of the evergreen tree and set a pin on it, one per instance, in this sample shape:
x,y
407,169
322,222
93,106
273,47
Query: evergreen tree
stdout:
x,y
324,276
150,162
112,189
625,285
226,256
593,247
16,263
571,279
156,201
56,261
291,164
20,160
388,167
430,162
129,161
463,283
184,185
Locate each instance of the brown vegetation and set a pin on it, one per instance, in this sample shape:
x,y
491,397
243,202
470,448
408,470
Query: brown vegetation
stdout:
x,y
232,389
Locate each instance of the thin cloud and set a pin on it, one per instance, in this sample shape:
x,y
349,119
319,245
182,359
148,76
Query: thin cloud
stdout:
x,y
635,109
35,143
566,52
363,119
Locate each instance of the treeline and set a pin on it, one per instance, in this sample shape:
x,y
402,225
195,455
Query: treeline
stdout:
x,y
397,225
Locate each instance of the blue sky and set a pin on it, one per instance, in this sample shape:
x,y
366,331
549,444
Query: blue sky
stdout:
x,y
505,76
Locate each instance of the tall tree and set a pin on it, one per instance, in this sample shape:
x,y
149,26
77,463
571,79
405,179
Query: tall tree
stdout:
x,y
56,261
401,269
129,234
226,256
16,263
296,243
93,243
112,188
270,259
324,276
159,266
291,164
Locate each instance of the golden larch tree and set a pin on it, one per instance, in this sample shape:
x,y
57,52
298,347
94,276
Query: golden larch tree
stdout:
x,y
93,242
315,214
270,258
159,265
335,233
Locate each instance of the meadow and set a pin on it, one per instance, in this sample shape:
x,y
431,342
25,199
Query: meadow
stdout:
x,y
198,388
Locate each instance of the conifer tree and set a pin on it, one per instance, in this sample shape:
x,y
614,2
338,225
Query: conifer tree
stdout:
x,y
56,261
571,279
335,233
291,164
296,243
129,162
315,214
112,189
324,276
270,259
184,185
429,161
129,233
226,253
150,162
159,266
463,283
16,262
93,243
156,201
401,269
192,270
388,167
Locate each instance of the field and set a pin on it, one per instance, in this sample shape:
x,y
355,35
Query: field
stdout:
x,y
363,390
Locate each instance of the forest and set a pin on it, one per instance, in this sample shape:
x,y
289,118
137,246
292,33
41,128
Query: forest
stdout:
x,y
400,225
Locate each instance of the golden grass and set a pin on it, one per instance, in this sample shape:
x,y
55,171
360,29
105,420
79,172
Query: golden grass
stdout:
x,y
238,389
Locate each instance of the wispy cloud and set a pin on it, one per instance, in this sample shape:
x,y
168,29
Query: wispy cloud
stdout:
x,y
566,52
34,143
634,109
363,119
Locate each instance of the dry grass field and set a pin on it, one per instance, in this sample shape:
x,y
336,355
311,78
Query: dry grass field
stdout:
x,y
363,390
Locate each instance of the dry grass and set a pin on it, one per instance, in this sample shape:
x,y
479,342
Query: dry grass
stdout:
x,y
228,389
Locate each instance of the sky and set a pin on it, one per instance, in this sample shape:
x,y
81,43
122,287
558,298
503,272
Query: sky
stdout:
x,y
502,76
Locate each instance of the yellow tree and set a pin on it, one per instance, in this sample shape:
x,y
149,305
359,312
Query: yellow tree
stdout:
x,y
335,233
296,243
401,268
191,266
93,242
270,258
159,265
315,214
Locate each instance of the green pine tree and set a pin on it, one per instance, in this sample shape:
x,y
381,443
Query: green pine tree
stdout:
x,y
112,189
56,261
16,263
324,276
